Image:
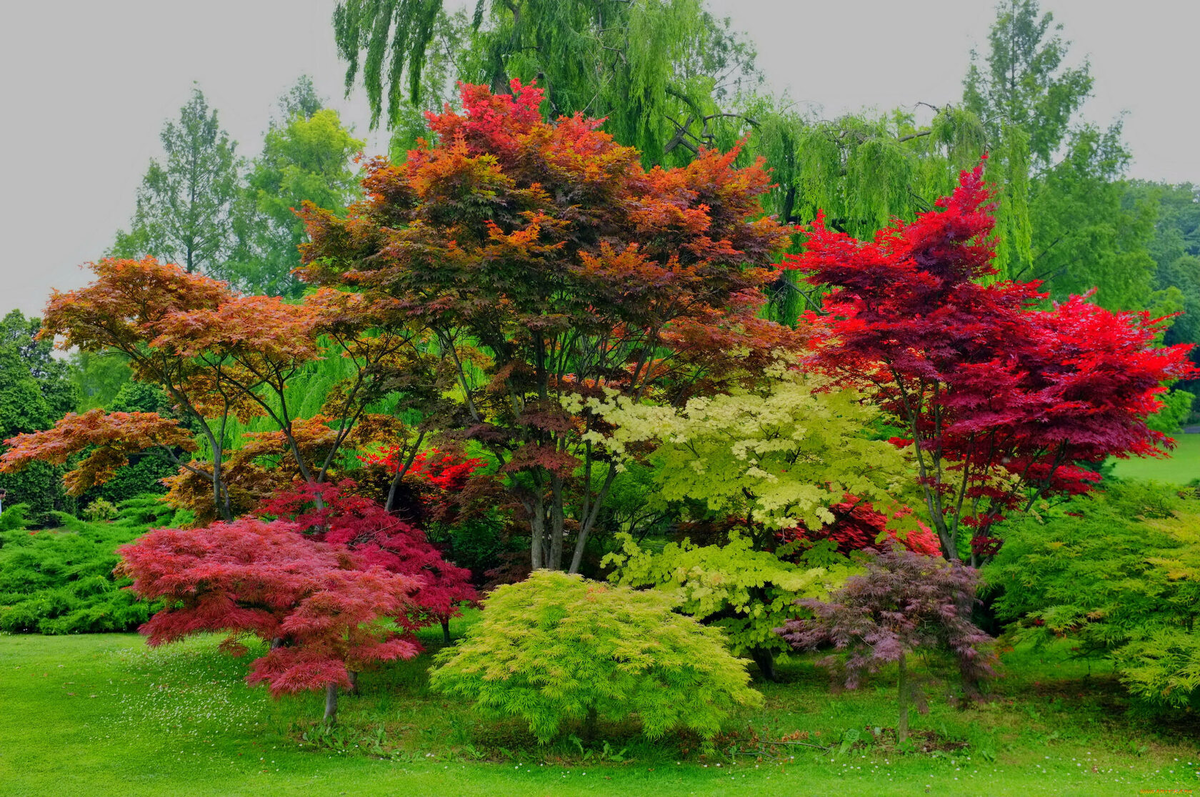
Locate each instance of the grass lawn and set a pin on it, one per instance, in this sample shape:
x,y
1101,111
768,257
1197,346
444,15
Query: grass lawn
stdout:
x,y
1180,468
103,714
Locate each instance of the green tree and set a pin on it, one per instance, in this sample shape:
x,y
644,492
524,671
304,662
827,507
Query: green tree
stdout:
x,y
557,649
98,377
185,204
35,391
1022,81
1175,248
306,158
1088,232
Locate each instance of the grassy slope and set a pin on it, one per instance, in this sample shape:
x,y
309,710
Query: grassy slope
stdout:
x,y
1180,468
103,715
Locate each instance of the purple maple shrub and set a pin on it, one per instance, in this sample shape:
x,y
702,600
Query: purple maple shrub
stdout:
x,y
904,603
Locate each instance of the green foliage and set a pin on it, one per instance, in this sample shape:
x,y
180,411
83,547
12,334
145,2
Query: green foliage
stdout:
x,y
306,158
1119,573
100,510
98,377
35,391
749,593
1088,233
1177,408
14,518
185,203
557,649
780,453
61,581
1022,81
662,72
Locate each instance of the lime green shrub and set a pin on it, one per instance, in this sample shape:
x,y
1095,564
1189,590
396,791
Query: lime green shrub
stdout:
x,y
558,649
100,510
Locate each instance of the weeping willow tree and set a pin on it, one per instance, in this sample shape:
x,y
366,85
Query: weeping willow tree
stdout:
x,y
666,74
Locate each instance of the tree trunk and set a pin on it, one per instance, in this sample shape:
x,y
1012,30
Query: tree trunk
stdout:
x,y
353,683
902,727
765,659
538,529
331,703
557,523
446,630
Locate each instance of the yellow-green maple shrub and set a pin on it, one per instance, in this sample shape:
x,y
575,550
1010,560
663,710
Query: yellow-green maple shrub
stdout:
x,y
749,593
558,649
773,456
778,454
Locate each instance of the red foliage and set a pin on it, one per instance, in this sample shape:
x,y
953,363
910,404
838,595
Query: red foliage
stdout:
x,y
443,471
313,599
858,525
1006,402
332,514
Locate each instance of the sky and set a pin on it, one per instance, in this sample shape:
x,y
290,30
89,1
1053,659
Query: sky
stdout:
x,y
85,88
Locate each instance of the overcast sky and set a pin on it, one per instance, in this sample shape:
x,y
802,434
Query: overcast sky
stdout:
x,y
85,87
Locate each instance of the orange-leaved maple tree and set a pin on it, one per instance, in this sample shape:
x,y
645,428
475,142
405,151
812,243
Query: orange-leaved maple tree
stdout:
x,y
1003,401
549,267
320,606
219,355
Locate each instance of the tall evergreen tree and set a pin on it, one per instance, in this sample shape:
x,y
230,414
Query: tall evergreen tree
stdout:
x,y
184,205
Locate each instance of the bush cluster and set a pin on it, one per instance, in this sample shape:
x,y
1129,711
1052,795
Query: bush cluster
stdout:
x,y
61,581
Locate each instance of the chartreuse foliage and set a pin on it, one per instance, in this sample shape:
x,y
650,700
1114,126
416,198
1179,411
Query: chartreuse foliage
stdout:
x,y
61,581
558,649
780,453
749,593
1119,573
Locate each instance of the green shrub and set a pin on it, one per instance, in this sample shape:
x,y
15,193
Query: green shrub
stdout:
x,y
61,581
100,510
14,518
1113,573
558,649
749,593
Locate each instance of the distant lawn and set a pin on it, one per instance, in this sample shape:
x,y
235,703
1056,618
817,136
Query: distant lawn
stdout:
x,y
1180,468
103,715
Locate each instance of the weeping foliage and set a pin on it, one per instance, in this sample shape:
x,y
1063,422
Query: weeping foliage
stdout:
x,y
663,72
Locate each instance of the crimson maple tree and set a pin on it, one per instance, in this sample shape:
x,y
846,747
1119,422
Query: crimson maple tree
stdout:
x,y
320,606
332,513
1004,402
546,265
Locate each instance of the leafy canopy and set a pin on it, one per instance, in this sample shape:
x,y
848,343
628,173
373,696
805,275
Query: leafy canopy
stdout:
x,y
558,649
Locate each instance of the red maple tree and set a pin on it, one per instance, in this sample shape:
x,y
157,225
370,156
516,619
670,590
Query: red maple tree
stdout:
x,y
332,513
1004,402
320,606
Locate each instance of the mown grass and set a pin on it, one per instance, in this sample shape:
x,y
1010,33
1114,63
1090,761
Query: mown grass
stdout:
x,y
103,714
1180,468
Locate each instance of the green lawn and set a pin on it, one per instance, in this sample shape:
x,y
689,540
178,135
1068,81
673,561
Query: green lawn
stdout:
x,y
104,715
1180,468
